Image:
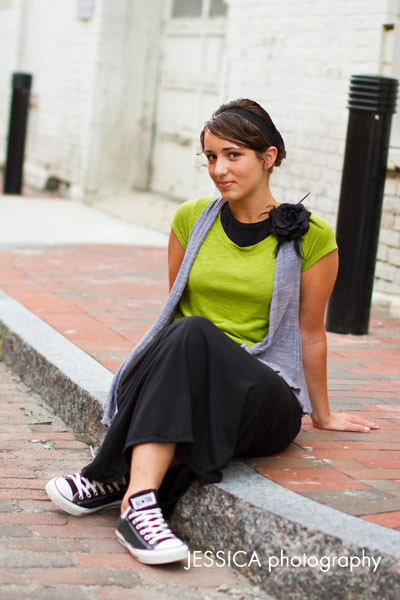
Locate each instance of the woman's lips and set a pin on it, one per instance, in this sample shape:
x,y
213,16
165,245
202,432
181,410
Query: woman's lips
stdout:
x,y
225,184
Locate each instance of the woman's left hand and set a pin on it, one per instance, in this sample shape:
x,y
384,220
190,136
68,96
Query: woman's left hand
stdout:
x,y
342,421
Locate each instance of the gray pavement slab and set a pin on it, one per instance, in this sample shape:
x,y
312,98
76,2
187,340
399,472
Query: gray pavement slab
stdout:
x,y
357,502
27,222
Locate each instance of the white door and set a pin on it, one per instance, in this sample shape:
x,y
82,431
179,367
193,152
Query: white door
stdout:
x,y
190,89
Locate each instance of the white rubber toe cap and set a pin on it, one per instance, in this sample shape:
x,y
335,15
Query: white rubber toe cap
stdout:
x,y
63,487
172,543
60,493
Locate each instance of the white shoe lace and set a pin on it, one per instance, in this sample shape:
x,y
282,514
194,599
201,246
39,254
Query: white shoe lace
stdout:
x,y
89,487
151,525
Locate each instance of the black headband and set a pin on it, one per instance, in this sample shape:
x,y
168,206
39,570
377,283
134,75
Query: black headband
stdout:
x,y
270,131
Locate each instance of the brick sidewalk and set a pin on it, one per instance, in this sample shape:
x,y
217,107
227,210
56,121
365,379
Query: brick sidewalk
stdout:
x,y
47,554
103,298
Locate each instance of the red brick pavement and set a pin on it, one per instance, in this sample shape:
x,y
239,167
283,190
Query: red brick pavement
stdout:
x,y
103,298
47,554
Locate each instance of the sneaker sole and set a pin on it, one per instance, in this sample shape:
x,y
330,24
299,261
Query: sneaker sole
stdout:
x,y
68,506
154,557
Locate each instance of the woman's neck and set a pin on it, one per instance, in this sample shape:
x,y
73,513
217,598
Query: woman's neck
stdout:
x,y
251,211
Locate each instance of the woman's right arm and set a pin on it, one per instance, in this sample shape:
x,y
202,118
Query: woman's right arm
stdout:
x,y
176,253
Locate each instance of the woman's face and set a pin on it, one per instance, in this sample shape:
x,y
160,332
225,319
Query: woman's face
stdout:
x,y
237,172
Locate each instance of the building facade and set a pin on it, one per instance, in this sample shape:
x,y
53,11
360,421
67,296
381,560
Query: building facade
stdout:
x,y
121,90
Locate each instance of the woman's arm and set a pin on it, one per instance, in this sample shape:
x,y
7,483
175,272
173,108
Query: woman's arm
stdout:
x,y
176,253
316,287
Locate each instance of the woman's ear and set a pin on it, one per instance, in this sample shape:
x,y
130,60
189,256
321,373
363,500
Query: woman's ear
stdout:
x,y
270,157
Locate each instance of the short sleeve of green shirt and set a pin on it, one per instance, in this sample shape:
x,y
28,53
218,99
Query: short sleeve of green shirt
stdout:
x,y
186,216
318,241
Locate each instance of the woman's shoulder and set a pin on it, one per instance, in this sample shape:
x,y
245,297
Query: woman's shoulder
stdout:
x,y
193,208
318,241
186,216
318,223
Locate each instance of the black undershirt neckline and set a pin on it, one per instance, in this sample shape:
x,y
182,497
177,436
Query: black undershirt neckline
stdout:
x,y
243,234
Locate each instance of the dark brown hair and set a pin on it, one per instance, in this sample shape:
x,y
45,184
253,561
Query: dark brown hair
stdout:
x,y
237,129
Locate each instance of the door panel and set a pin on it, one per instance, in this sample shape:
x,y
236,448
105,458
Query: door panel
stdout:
x,y
189,91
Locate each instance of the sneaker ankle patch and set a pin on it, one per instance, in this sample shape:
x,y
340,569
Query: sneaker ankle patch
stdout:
x,y
143,501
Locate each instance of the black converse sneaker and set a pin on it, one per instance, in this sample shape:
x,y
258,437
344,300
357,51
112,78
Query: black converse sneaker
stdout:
x,y
144,532
78,495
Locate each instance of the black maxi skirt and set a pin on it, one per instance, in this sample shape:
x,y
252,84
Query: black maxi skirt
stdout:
x,y
198,388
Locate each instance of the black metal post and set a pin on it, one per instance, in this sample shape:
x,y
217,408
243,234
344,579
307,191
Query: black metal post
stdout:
x,y
21,85
372,102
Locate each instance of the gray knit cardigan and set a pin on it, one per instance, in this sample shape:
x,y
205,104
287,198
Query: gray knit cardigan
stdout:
x,y
280,349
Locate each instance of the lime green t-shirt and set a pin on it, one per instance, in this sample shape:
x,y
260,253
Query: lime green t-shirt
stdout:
x,y
232,285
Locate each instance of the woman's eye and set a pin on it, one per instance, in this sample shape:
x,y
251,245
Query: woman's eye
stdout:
x,y
234,154
210,157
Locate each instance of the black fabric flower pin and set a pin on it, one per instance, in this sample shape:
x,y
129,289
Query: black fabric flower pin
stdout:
x,y
289,222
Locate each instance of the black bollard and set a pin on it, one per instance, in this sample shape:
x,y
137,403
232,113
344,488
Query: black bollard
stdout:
x,y
21,85
372,102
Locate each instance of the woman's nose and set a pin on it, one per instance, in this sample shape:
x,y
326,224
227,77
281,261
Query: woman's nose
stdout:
x,y
220,166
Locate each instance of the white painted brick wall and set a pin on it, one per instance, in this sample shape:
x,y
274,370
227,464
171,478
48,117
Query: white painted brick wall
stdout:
x,y
296,58
90,114
394,256
63,64
59,50
387,274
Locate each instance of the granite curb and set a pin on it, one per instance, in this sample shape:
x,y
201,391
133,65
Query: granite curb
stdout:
x,y
70,380
247,514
